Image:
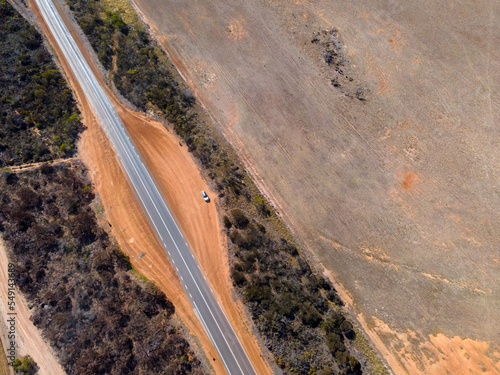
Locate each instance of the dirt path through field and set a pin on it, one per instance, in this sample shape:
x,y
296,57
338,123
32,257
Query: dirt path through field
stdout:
x,y
180,181
29,340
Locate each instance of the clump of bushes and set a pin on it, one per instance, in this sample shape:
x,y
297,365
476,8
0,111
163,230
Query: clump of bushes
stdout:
x,y
329,44
240,220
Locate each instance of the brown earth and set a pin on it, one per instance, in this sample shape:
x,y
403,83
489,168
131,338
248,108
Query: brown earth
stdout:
x,y
180,181
397,196
5,369
29,340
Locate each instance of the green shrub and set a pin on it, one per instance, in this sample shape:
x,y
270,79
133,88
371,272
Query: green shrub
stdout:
x,y
310,316
25,366
238,277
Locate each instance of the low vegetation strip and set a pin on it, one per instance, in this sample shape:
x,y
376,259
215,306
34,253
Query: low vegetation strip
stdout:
x,y
293,307
38,115
97,314
296,310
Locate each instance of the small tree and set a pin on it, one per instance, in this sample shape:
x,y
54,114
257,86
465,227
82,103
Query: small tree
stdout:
x,y
261,206
25,366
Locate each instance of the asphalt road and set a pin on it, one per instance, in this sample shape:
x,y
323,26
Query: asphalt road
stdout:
x,y
202,299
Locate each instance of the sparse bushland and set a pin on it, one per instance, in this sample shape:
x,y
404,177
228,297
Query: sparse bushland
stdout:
x,y
38,116
296,310
97,315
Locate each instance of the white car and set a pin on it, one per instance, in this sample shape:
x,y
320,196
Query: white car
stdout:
x,y
205,196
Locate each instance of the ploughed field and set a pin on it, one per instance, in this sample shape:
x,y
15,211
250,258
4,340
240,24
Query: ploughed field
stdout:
x,y
373,126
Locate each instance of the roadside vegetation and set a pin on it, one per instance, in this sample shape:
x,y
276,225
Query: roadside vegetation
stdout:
x,y
38,115
138,67
98,314
296,310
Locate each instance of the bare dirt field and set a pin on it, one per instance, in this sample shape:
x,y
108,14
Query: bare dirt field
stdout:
x,y
396,195
180,181
29,340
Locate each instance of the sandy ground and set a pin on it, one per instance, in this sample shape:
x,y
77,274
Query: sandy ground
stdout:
x,y
181,183
396,196
29,340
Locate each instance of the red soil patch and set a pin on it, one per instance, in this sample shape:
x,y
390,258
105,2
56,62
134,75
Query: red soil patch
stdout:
x,y
438,354
410,178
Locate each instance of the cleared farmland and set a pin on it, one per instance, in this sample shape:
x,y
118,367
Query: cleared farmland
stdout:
x,y
397,195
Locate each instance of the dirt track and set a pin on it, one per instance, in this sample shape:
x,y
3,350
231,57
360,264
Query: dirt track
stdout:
x,y
396,196
180,181
28,339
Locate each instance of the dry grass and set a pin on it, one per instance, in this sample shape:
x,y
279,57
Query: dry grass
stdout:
x,y
124,9
362,344
4,364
